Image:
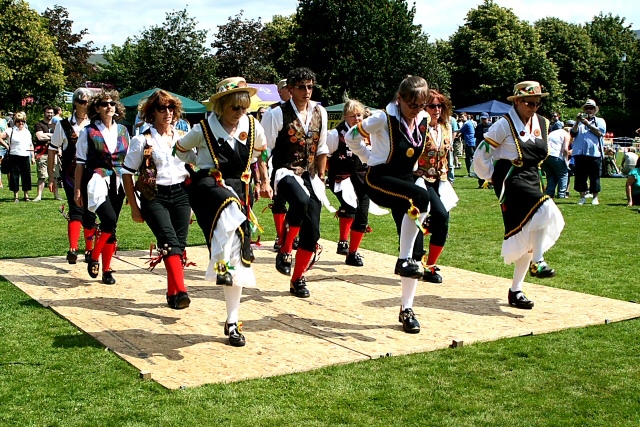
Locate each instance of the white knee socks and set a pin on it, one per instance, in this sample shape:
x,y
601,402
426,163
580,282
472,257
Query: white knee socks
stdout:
x,y
520,271
537,238
232,295
409,287
408,233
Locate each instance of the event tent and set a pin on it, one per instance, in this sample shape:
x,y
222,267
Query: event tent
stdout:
x,y
493,108
189,106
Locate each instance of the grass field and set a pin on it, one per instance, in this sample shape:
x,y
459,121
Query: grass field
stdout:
x,y
51,374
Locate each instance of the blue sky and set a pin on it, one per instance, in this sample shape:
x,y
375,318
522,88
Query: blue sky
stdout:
x,y
118,19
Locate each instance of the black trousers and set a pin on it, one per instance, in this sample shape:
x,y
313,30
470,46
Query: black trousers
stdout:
x,y
468,156
168,216
359,214
76,213
304,210
438,223
109,211
20,170
587,168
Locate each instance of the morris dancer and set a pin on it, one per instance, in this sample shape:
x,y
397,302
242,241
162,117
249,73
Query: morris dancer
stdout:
x,y
65,138
100,151
397,136
219,194
510,157
164,203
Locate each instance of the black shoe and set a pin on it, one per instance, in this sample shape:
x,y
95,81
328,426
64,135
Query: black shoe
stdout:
x,y
541,270
72,256
343,248
296,242
236,339
283,263
87,257
409,322
93,268
408,267
520,300
179,301
431,275
354,259
224,279
107,278
276,245
299,288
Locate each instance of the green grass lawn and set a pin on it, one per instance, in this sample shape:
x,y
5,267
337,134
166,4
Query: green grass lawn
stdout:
x,y
51,374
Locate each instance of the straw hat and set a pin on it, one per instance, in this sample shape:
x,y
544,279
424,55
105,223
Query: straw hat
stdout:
x,y
528,88
591,103
282,83
231,85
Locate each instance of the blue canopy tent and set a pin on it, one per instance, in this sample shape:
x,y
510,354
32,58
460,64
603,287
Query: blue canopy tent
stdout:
x,y
493,108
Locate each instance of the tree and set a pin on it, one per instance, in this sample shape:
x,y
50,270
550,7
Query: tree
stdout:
x,y
569,47
30,64
280,37
75,56
241,51
494,50
173,56
362,47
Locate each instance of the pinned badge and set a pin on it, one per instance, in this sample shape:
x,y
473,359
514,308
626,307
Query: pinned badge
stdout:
x,y
410,152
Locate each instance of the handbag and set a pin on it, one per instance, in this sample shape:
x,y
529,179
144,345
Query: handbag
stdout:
x,y
146,183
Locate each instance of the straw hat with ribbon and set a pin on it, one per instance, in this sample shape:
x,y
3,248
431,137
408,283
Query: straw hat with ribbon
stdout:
x,y
231,85
528,88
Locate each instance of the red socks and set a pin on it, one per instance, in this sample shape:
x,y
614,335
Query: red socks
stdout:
x,y
99,245
278,220
107,253
89,234
345,227
175,275
434,254
303,258
73,232
354,241
287,246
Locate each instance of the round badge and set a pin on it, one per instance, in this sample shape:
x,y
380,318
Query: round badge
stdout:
x,y
431,153
536,132
432,161
432,171
521,133
242,136
410,152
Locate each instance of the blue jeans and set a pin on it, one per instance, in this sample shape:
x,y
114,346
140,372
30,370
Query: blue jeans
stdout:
x,y
557,174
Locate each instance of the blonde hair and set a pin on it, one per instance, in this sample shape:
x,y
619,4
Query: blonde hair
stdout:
x,y
352,106
20,116
240,98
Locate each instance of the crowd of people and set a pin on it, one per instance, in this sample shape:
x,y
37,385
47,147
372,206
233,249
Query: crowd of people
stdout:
x,y
401,158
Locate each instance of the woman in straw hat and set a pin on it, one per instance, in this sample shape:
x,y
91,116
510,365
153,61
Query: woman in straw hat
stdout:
x,y
100,151
227,143
398,135
164,204
516,145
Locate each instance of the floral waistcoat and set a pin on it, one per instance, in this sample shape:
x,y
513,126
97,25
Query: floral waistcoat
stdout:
x,y
295,149
99,159
434,163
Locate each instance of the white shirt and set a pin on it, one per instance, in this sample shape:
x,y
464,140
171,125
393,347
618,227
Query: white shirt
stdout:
x,y
378,129
333,141
170,169
499,136
20,141
195,139
59,138
110,138
272,122
556,143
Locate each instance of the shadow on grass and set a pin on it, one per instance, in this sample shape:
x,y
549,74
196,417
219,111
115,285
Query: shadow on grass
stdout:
x,y
75,341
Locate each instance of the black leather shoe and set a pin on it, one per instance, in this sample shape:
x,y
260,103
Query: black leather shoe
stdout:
x,y
408,267
107,278
276,245
541,270
343,248
93,268
72,256
224,279
354,259
87,257
283,263
520,300
179,301
431,275
296,242
236,339
409,322
299,288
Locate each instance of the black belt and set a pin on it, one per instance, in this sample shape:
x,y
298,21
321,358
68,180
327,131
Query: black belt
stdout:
x,y
167,188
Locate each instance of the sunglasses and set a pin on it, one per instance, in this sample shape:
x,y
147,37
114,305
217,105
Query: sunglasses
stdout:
x,y
164,108
434,106
107,103
304,87
589,108
532,104
416,106
19,121
238,108
81,101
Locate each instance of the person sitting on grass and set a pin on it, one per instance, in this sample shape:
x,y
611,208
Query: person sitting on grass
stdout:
x,y
633,187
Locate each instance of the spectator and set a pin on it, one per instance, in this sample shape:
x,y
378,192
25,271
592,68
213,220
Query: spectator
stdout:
x,y
633,187
9,120
468,136
555,166
481,129
20,146
44,131
629,161
556,123
57,115
3,144
260,113
453,123
611,169
588,151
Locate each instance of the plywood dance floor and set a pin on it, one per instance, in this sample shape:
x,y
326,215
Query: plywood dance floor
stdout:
x,y
352,314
